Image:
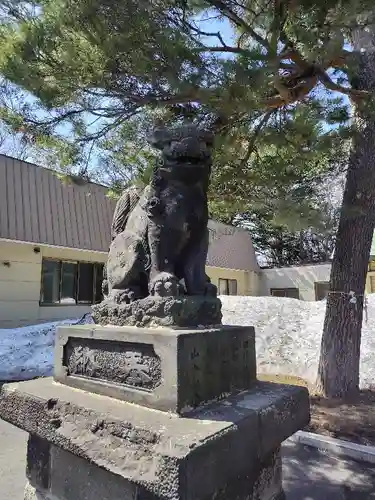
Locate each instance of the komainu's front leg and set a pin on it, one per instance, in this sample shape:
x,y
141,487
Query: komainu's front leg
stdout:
x,y
165,246
194,260
210,289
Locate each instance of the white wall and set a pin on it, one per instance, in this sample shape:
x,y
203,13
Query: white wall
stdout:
x,y
247,281
301,277
20,281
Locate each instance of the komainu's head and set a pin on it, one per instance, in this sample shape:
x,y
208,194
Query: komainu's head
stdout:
x,y
186,152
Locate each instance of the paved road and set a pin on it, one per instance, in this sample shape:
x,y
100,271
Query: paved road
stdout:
x,y
311,475
308,474
12,462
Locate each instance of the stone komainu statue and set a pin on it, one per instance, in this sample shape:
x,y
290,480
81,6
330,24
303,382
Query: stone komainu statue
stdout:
x,y
160,236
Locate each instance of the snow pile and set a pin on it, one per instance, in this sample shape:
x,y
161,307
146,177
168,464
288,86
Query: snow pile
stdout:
x,y
289,332
27,352
288,335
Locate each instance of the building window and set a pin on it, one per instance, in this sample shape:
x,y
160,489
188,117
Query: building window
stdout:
x,y
50,293
321,290
99,269
227,287
68,283
291,293
86,279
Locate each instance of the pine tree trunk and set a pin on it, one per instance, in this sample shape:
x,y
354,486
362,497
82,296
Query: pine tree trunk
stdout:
x,y
340,349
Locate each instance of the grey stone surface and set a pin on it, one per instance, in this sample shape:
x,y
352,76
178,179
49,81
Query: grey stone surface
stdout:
x,y
263,482
183,311
160,238
168,456
38,462
167,369
73,478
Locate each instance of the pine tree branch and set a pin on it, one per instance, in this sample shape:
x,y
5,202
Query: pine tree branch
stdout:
x,y
331,85
206,33
238,21
290,96
277,24
250,148
296,57
57,119
234,50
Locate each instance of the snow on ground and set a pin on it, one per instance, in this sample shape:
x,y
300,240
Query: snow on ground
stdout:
x,y
27,352
289,332
288,335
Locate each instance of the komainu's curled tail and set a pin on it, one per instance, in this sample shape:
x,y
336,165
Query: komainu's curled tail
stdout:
x,y
124,207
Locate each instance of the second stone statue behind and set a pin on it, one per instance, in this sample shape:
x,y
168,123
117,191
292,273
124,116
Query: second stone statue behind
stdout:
x,y
155,274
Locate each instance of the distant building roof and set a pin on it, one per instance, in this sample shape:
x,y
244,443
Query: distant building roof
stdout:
x,y
36,206
231,247
301,264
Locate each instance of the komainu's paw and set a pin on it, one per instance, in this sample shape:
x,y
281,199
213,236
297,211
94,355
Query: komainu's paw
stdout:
x,y
125,296
164,285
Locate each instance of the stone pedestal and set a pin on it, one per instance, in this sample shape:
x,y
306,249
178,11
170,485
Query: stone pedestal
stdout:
x,y
154,414
162,368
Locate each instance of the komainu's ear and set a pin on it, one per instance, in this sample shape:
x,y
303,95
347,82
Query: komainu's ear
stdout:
x,y
159,137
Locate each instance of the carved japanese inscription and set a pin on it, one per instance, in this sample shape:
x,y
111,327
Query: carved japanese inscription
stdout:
x,y
131,364
216,365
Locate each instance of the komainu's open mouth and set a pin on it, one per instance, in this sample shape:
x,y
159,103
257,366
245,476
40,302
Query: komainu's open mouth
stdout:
x,y
186,159
190,159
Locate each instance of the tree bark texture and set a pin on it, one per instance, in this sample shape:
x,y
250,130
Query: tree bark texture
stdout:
x,y
340,349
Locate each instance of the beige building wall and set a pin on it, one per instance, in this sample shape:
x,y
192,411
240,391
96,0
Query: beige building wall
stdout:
x,y
370,282
247,281
301,277
20,280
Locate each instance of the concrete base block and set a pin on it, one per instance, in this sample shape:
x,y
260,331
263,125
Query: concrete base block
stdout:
x,y
68,477
86,446
73,478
